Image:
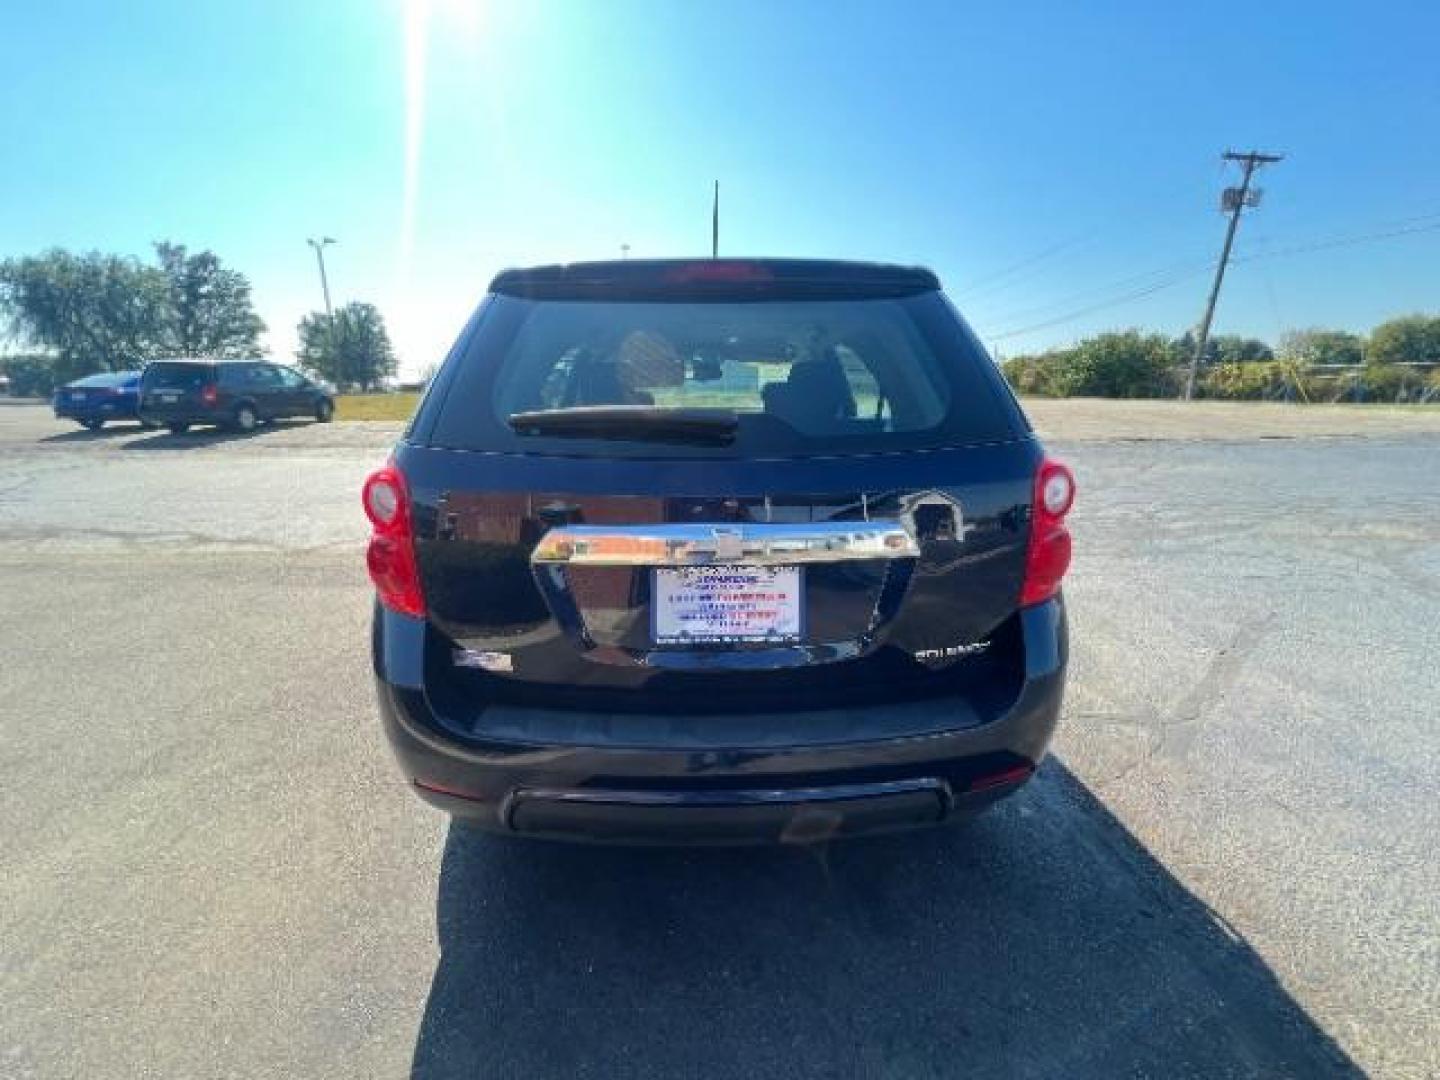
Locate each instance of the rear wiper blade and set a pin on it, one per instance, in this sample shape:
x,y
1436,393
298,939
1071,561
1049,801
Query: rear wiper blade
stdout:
x,y
638,423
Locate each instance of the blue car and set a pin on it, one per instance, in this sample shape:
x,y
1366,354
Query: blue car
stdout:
x,y
95,399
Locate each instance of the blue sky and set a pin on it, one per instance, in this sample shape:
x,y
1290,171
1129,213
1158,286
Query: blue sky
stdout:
x,y
1044,158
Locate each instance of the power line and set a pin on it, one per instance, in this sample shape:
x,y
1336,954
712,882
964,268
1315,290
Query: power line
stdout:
x,y
1428,215
1014,314
1137,294
969,294
1127,282
1001,277
1341,241
1277,322
1071,316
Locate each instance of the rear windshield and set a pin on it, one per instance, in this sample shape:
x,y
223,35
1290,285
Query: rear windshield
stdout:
x,y
801,376
107,378
171,376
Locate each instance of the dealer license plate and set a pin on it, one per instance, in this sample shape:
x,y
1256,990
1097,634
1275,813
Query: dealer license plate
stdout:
x,y
701,605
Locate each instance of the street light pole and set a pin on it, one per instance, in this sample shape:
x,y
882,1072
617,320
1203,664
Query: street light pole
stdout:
x,y
319,246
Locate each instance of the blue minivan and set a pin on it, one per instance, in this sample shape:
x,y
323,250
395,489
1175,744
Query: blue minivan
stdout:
x,y
718,551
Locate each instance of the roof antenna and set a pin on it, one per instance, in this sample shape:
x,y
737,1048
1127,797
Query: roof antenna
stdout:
x,y
715,225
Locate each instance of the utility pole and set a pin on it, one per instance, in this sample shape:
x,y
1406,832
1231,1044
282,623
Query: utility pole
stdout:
x,y
1234,200
319,246
715,224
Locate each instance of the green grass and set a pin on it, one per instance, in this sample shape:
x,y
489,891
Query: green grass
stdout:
x,y
375,406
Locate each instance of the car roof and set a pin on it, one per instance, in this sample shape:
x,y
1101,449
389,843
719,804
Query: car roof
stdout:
x,y
213,360
105,378
665,279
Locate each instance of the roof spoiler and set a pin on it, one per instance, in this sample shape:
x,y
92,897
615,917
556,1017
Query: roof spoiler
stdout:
x,y
715,279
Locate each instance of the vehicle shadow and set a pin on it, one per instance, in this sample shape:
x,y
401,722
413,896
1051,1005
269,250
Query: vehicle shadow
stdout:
x,y
1041,940
200,437
109,431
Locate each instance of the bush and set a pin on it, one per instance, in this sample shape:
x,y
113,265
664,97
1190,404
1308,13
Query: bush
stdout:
x,y
1411,338
1255,382
1378,383
1222,349
1314,365
1118,365
1031,374
1388,382
1305,347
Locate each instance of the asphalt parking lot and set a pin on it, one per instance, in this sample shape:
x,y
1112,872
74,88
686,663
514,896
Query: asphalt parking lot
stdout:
x,y
1227,868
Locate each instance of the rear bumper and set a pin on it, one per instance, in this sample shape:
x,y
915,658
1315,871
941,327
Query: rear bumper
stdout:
x,y
722,794
185,414
105,411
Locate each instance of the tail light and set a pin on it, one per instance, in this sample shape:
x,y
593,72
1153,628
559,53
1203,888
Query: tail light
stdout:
x,y
209,394
1048,556
391,555
1011,774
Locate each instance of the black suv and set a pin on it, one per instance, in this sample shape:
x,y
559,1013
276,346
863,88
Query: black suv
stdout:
x,y
238,394
718,551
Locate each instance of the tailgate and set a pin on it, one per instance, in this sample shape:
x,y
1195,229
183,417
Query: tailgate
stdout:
x,y
635,580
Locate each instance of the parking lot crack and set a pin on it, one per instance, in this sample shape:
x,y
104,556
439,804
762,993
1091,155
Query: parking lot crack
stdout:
x,y
135,538
1178,734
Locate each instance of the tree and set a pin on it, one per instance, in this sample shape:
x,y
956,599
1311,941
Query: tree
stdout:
x,y
209,310
1409,339
29,375
315,353
1223,349
93,311
110,312
354,351
1309,347
1234,349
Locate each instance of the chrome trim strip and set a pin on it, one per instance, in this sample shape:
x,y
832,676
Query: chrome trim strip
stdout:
x,y
754,544
733,797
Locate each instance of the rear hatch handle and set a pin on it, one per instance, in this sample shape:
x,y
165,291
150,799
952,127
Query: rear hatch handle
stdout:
x,y
754,544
